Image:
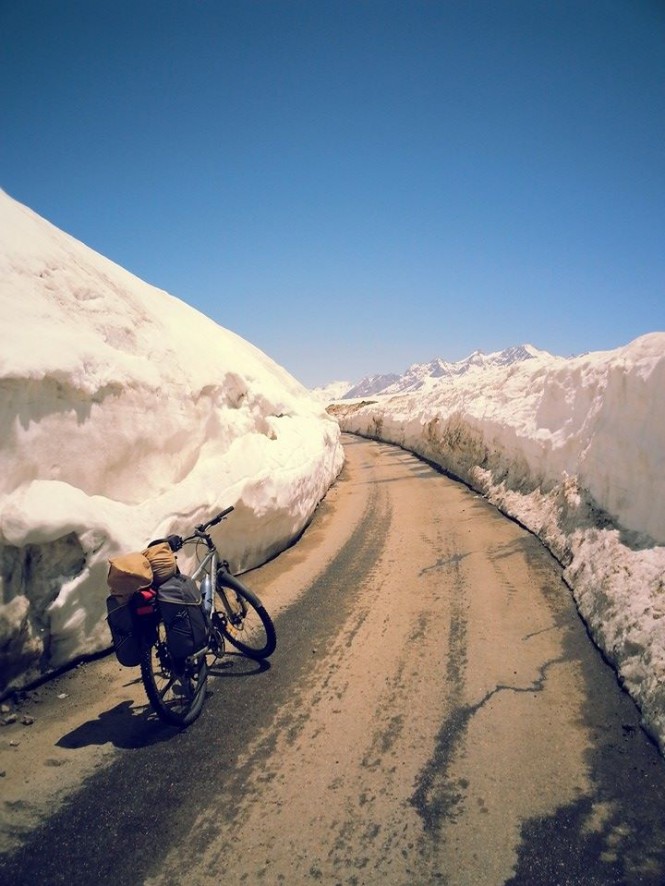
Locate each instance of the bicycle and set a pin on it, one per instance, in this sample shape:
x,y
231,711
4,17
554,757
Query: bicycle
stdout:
x,y
175,688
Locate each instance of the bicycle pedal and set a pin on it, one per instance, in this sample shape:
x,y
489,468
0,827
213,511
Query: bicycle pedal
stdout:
x,y
217,646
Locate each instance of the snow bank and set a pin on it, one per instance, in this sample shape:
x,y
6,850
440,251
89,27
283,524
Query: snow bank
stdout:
x,y
127,415
575,450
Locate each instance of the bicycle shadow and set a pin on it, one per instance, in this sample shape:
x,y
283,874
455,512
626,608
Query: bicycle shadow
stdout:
x,y
131,725
127,725
235,664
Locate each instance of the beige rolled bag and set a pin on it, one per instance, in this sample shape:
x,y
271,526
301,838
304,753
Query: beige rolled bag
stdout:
x,y
129,573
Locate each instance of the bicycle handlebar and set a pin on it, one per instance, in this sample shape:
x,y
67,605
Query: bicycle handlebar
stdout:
x,y
215,520
177,541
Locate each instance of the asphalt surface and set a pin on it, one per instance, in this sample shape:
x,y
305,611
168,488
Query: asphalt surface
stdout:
x,y
434,713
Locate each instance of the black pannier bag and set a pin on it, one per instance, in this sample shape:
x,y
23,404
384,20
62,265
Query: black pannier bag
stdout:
x,y
125,631
130,623
179,600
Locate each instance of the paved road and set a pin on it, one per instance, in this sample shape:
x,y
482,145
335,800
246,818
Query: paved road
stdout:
x,y
434,713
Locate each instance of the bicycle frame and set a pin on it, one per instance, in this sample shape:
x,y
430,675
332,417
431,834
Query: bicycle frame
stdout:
x,y
208,588
208,567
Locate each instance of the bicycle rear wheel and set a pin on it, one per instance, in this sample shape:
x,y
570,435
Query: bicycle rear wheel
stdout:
x,y
175,689
242,618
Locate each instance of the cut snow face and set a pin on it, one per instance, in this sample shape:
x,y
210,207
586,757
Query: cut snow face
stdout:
x,y
575,450
128,415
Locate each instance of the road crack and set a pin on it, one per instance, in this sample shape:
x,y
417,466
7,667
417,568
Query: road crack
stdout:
x,y
438,798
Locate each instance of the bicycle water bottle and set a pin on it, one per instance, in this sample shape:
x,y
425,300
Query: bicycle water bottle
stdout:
x,y
206,592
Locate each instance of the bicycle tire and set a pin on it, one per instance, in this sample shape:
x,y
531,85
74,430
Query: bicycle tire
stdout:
x,y
248,627
176,691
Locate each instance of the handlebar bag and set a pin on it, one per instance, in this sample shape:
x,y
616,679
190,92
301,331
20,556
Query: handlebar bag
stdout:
x,y
181,609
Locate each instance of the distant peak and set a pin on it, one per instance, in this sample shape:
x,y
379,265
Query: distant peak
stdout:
x,y
421,376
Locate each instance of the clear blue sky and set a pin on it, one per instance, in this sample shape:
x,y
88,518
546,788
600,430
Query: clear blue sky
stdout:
x,y
355,186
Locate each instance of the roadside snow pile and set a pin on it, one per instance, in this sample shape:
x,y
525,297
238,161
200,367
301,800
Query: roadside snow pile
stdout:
x,y
575,450
127,415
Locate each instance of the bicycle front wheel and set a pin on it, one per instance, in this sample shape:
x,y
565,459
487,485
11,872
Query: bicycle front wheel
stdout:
x,y
242,618
175,689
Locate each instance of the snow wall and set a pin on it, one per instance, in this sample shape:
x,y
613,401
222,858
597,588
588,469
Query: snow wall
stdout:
x,y
127,415
575,450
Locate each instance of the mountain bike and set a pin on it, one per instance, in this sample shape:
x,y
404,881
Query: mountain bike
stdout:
x,y
176,688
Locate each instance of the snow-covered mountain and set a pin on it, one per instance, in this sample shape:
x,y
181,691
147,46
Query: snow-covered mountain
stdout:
x,y
127,415
371,384
333,391
425,376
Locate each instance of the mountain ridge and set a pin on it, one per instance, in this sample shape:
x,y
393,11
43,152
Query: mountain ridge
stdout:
x,y
428,374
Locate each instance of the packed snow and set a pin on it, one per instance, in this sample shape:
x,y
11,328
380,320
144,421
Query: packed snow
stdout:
x,y
573,448
128,415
